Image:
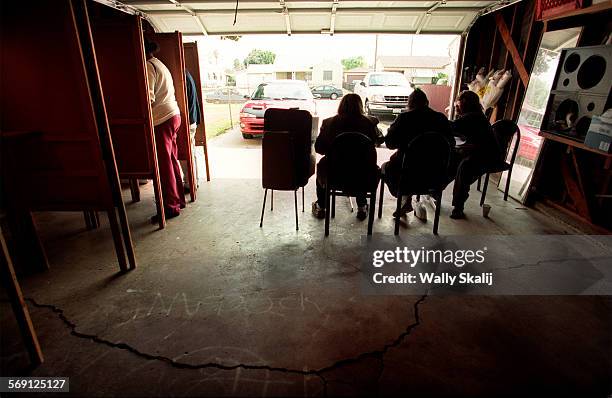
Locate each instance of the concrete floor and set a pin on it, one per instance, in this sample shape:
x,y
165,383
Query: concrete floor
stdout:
x,y
221,307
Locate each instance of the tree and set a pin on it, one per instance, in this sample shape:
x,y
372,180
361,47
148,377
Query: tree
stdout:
x,y
543,61
238,65
438,77
353,62
259,57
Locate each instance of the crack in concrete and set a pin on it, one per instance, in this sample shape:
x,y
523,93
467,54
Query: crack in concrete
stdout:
x,y
378,354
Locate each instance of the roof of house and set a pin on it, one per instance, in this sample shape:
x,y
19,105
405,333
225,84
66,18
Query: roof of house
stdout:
x,y
414,61
260,68
361,69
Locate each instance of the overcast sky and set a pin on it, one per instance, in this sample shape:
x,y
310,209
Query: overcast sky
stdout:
x,y
303,49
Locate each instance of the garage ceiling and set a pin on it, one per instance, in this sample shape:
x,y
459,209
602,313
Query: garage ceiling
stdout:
x,y
216,17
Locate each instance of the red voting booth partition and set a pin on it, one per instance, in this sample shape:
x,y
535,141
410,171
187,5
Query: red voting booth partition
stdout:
x,y
119,50
56,148
171,54
192,64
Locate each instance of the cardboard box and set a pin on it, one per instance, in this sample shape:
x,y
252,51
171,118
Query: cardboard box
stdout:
x,y
599,135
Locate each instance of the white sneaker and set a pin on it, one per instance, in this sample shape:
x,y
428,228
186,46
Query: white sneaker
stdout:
x,y
420,211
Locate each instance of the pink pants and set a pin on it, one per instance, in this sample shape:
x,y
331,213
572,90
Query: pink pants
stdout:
x,y
169,167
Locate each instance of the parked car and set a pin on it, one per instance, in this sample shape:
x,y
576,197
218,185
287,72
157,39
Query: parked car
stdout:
x,y
283,94
530,143
384,93
222,96
328,91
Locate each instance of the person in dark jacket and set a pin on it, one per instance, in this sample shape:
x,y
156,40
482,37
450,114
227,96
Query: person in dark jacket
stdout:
x,y
194,121
350,118
481,153
418,119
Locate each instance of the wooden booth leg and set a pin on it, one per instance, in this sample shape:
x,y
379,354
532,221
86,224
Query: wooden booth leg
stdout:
x,y
19,308
127,235
114,225
205,147
29,247
159,201
135,189
87,217
193,185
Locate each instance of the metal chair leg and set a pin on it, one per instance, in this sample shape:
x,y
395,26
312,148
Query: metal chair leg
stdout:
x,y
333,205
271,200
484,189
302,199
296,212
350,200
508,183
372,210
380,199
398,207
263,208
327,211
437,214
478,185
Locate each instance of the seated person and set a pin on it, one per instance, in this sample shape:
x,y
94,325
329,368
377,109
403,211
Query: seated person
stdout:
x,y
350,118
472,126
418,119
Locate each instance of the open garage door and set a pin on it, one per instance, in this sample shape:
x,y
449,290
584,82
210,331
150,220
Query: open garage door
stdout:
x,y
229,17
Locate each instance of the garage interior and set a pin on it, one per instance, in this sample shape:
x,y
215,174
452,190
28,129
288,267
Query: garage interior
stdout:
x,y
210,304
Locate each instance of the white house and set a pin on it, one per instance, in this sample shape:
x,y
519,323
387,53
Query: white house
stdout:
x,y
327,72
247,80
418,69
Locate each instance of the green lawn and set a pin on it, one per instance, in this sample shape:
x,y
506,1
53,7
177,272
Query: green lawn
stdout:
x,y
217,118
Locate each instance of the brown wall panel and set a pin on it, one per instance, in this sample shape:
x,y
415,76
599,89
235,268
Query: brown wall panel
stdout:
x,y
121,61
192,64
44,89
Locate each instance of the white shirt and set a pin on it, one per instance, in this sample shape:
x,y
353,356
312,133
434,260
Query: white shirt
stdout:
x,y
161,92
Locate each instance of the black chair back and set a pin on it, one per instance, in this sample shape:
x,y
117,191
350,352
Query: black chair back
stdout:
x,y
279,171
300,124
504,132
425,164
352,166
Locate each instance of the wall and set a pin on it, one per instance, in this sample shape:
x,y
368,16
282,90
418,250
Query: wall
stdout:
x,y
337,73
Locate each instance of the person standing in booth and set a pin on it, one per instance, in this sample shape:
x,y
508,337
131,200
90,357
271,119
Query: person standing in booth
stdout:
x,y
194,121
166,121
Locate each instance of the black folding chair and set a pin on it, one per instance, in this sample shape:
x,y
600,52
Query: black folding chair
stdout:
x,y
351,171
424,172
278,168
288,159
504,131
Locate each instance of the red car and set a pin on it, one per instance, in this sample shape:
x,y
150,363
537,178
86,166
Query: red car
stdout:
x,y
530,143
282,94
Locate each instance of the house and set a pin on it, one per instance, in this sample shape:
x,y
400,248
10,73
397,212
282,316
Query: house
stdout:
x,y
327,72
254,75
354,74
418,69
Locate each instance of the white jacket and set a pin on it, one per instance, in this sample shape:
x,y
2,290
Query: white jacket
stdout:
x,y
161,92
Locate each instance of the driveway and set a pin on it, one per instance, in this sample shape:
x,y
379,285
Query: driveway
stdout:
x,y
231,156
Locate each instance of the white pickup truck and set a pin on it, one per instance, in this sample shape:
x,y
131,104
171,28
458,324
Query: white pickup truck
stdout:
x,y
384,93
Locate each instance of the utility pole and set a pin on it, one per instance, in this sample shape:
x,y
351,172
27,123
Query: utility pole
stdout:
x,y
375,51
